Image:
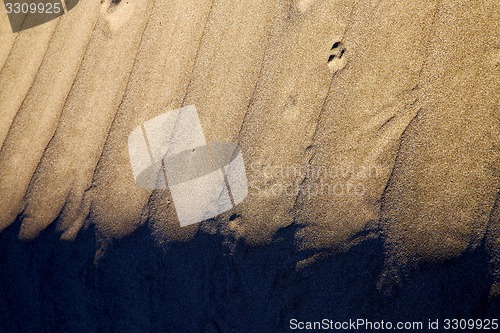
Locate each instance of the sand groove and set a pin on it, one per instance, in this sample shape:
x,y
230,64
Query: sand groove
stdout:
x,y
84,125
118,206
450,154
357,119
41,109
14,92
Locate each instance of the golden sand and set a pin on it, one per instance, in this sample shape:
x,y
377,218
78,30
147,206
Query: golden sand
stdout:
x,y
397,100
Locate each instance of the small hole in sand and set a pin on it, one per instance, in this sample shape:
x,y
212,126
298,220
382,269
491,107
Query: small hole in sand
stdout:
x,y
336,60
336,45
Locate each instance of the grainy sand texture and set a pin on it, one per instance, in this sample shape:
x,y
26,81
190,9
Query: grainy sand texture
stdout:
x,y
357,119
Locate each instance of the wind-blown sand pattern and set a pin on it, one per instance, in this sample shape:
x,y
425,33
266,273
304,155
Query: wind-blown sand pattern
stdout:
x,y
357,120
440,196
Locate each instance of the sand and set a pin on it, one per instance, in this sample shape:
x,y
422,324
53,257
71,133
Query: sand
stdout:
x,y
357,119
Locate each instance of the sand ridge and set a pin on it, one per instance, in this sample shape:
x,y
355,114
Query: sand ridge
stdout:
x,y
357,119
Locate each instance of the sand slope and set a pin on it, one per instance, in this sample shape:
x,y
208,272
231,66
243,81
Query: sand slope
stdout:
x,y
357,119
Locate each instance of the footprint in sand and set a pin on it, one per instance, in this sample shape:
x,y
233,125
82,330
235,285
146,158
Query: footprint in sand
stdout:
x,y
337,59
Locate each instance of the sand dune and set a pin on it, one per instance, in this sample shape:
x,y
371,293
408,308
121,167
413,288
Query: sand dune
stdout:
x,y
357,119
441,193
